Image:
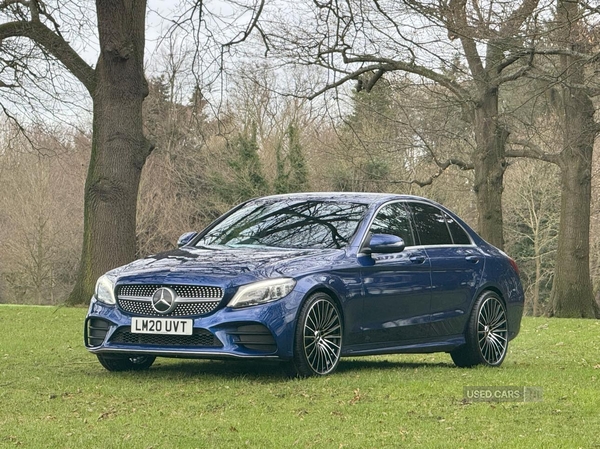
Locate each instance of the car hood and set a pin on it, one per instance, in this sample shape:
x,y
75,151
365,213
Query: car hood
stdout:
x,y
225,267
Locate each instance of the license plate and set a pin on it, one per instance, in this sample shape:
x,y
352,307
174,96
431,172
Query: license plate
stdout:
x,y
164,326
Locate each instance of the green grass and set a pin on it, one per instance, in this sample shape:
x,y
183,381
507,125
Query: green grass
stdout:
x,y
53,393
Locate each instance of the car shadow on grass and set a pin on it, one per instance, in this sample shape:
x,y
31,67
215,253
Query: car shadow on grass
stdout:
x,y
263,370
359,364
267,371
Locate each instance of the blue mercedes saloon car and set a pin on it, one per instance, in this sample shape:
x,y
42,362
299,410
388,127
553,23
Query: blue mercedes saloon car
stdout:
x,y
309,278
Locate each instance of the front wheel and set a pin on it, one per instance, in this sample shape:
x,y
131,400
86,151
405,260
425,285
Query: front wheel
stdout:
x,y
487,334
126,362
318,337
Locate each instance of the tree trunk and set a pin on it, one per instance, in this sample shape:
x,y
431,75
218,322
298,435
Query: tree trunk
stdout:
x,y
538,276
489,165
572,295
119,148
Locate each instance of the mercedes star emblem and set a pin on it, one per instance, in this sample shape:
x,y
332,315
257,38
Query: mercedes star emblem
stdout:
x,y
163,300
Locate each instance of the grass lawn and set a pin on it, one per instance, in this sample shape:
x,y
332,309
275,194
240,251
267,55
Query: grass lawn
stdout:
x,y
53,393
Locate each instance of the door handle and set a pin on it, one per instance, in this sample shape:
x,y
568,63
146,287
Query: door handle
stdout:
x,y
417,259
472,259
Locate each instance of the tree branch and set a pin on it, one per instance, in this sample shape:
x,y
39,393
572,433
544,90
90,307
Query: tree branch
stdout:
x,y
442,166
457,25
351,76
515,74
532,151
518,17
4,85
20,127
253,24
6,3
567,52
55,45
591,91
389,65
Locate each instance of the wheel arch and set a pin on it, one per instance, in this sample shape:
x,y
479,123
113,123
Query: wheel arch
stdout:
x,y
513,306
321,288
485,288
493,288
302,364
329,291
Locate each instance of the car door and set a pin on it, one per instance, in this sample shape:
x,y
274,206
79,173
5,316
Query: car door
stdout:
x,y
456,267
396,286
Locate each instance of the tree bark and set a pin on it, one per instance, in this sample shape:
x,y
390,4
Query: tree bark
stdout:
x,y
119,148
572,295
538,271
489,167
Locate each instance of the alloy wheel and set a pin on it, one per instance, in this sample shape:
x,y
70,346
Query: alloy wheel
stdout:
x,y
492,330
322,336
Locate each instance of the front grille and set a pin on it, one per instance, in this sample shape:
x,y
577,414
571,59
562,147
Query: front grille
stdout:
x,y
200,337
144,307
192,300
183,291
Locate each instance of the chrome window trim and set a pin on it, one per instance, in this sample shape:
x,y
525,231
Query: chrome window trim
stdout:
x,y
472,244
461,227
407,203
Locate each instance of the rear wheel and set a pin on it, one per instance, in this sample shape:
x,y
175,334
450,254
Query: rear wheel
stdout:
x,y
126,362
487,334
318,338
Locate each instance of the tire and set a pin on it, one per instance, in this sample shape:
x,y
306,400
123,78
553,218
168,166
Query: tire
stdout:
x,y
318,338
126,362
486,335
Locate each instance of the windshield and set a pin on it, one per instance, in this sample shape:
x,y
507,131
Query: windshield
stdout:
x,y
288,224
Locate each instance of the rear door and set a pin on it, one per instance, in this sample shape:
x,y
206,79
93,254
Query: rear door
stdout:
x,y
456,267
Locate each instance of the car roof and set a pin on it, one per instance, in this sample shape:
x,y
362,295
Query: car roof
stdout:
x,y
357,197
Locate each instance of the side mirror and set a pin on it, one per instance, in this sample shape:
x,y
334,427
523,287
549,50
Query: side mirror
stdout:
x,y
186,238
384,244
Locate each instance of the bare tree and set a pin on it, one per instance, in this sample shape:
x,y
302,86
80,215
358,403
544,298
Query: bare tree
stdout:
x,y
352,38
572,294
498,42
34,33
42,216
119,149
532,207
572,90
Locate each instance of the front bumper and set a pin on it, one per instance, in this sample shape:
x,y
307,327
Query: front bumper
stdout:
x,y
264,331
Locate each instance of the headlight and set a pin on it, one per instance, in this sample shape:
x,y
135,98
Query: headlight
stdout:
x,y
105,290
262,292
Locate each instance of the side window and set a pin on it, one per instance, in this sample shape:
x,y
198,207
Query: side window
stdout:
x,y
430,224
459,235
394,219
